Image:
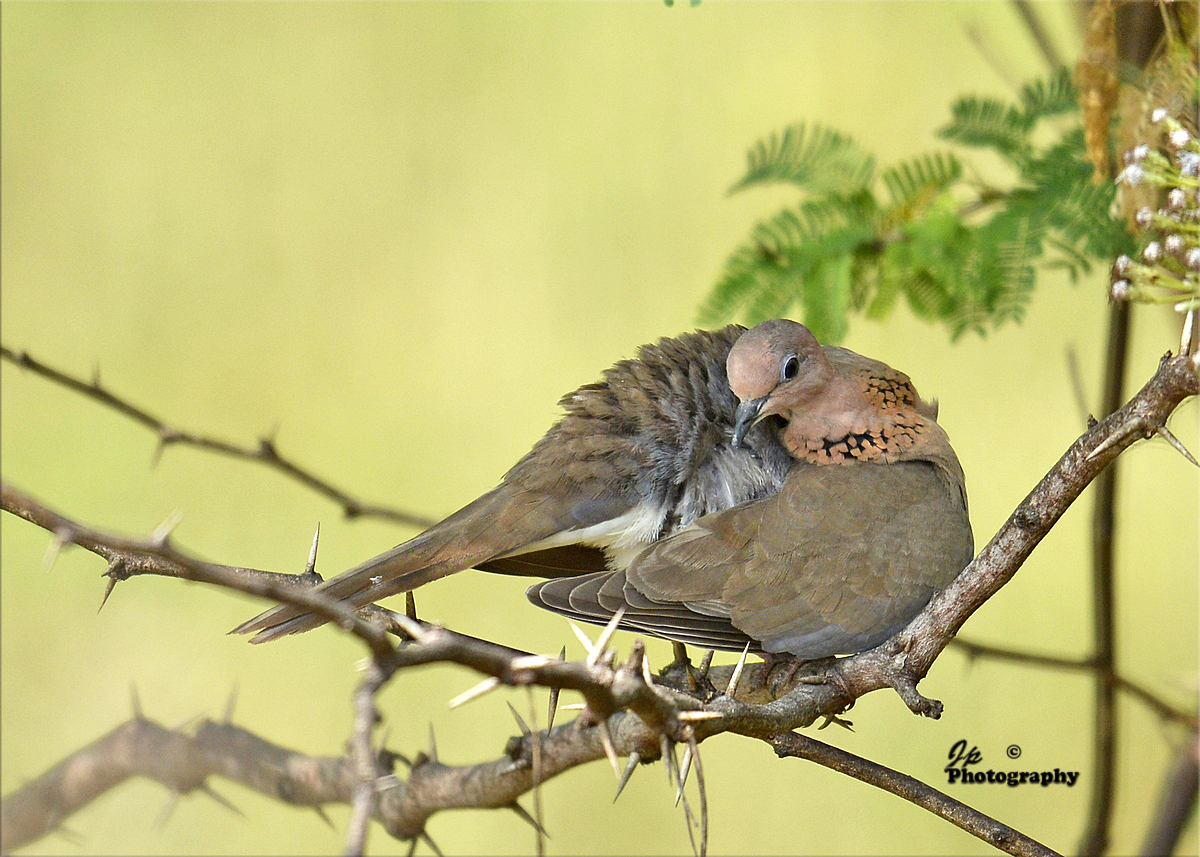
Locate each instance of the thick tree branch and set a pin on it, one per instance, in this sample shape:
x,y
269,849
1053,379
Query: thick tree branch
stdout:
x,y
184,763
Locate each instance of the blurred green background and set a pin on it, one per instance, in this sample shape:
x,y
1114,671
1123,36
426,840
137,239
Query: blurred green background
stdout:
x,y
398,233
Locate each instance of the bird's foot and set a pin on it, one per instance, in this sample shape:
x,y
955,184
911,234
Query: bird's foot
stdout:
x,y
781,672
681,659
833,719
682,675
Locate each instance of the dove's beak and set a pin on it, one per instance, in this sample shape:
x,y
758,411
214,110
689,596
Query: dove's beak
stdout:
x,y
745,418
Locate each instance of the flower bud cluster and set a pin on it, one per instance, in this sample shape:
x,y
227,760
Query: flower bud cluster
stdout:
x,y
1167,269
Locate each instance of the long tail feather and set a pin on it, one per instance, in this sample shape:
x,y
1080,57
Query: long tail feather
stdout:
x,y
501,522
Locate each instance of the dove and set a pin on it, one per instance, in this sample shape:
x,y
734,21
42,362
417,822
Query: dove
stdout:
x,y
869,523
726,489
643,451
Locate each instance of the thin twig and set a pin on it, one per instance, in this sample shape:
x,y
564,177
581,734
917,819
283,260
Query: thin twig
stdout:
x,y
366,767
1104,524
1038,33
1176,802
265,452
139,747
1000,836
1037,659
536,741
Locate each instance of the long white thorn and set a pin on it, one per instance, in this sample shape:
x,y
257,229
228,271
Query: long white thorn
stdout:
x,y
737,672
552,702
703,790
1166,435
630,766
311,566
693,715
411,627
685,768
527,818
486,686
163,531
605,636
1111,440
521,724
647,676
588,646
531,662
606,742
57,542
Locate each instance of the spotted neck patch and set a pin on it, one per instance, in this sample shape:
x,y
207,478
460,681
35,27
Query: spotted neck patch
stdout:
x,y
892,426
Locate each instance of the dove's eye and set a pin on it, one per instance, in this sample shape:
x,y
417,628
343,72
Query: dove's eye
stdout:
x,y
791,368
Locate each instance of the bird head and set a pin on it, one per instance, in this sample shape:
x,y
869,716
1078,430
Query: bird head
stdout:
x,y
774,368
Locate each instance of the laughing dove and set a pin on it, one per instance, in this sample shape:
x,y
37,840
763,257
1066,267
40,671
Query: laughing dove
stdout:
x,y
723,488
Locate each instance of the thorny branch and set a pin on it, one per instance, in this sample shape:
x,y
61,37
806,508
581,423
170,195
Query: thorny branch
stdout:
x,y
157,555
180,761
626,710
265,453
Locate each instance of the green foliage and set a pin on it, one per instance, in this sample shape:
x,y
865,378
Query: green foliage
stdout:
x,y
989,123
815,159
1052,97
915,185
961,253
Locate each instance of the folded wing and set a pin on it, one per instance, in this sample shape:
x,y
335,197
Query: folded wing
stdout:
x,y
838,561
